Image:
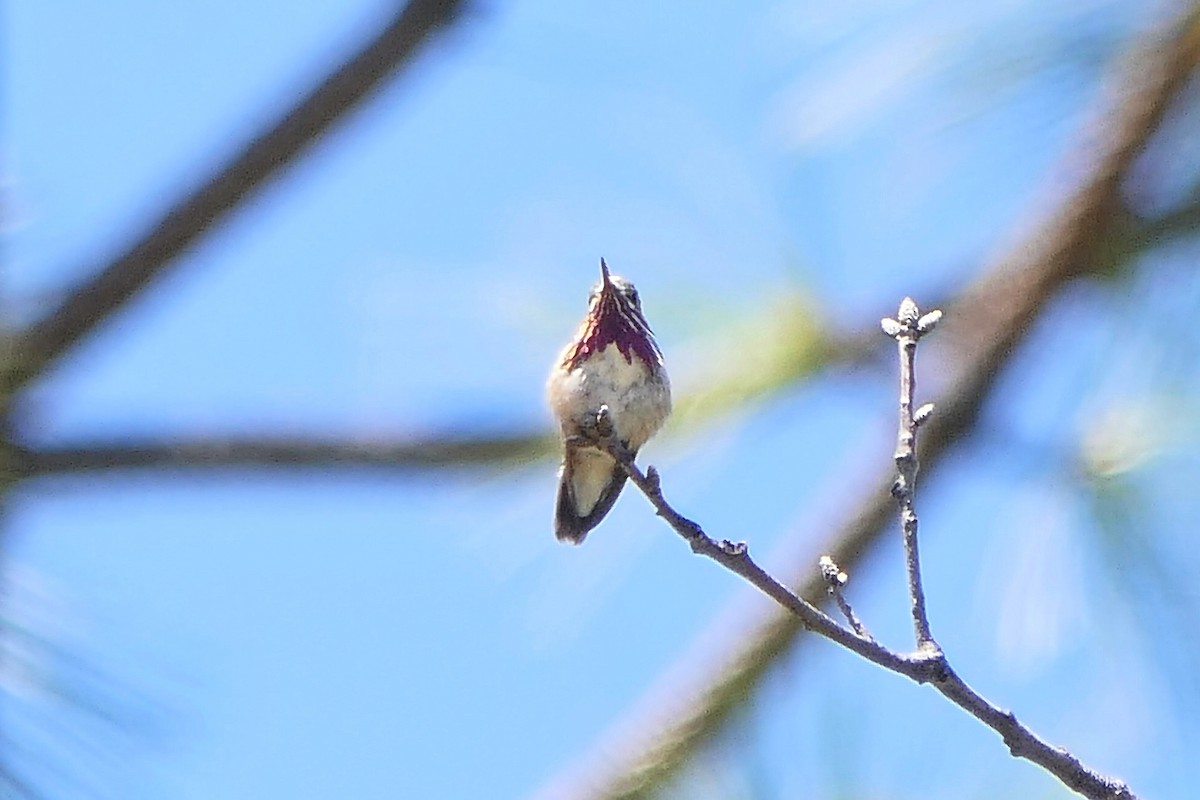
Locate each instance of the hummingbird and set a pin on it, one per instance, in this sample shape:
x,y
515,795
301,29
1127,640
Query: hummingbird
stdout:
x,y
612,361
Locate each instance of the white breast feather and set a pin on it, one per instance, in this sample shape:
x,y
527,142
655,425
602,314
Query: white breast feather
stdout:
x,y
638,405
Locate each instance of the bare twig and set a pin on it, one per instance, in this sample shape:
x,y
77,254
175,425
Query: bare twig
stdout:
x,y
907,329
217,452
836,579
263,158
996,313
928,664
735,557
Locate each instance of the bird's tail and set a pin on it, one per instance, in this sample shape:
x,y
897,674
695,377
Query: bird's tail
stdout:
x,y
587,490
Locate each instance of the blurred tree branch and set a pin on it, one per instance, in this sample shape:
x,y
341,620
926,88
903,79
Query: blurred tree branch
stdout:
x,y
1182,220
985,323
808,353
28,353
16,785
266,156
215,452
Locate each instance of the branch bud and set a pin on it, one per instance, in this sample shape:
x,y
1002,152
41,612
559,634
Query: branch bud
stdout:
x,y
922,414
928,322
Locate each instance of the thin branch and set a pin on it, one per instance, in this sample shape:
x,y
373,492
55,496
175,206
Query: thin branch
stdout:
x,y
735,556
262,159
836,580
926,665
996,314
907,329
290,452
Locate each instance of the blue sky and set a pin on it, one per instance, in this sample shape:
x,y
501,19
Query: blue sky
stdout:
x,y
360,635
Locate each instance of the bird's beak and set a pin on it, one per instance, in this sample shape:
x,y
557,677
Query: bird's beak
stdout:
x,y
605,283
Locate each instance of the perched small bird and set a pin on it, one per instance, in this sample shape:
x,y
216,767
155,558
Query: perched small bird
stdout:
x,y
612,361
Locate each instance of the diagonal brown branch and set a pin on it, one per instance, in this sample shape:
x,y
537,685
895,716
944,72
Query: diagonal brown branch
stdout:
x,y
987,322
213,452
262,159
